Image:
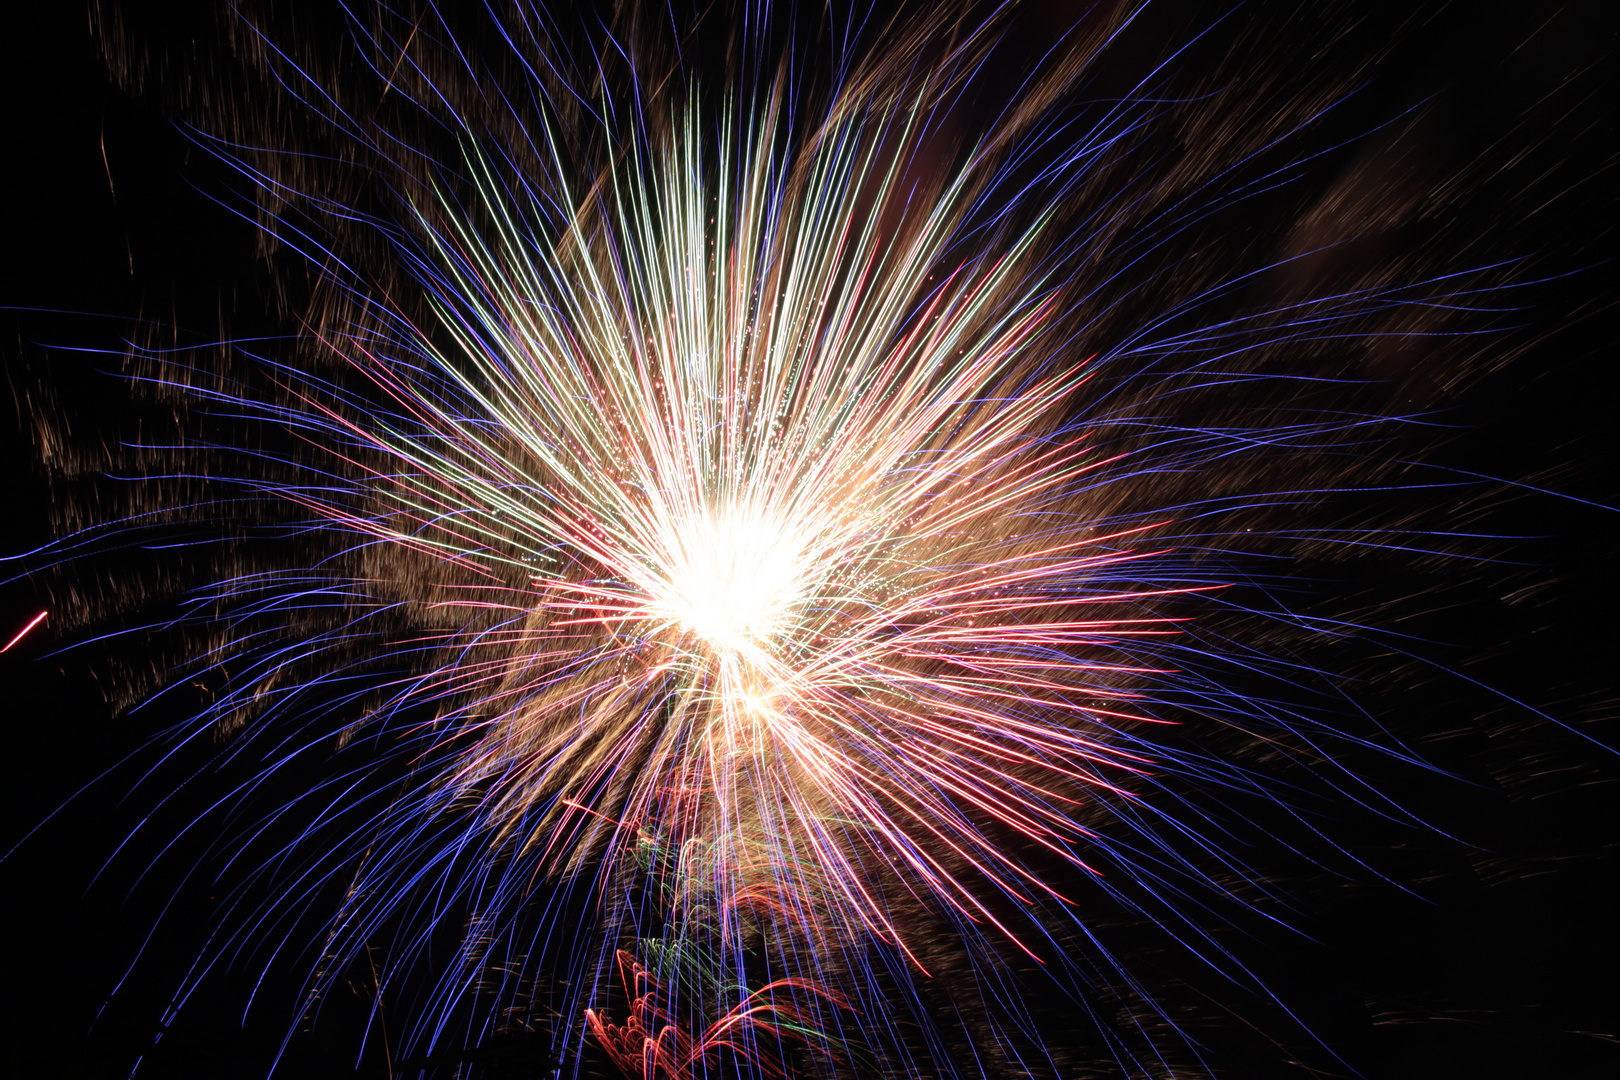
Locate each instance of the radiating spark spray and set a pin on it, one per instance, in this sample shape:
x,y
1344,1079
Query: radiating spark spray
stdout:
x,y
741,543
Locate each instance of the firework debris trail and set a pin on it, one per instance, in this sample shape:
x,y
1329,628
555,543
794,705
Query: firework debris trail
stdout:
x,y
763,534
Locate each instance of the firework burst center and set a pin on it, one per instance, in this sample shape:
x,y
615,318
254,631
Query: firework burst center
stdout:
x,y
734,576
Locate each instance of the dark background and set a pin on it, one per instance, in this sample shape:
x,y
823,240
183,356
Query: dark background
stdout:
x,y
1494,955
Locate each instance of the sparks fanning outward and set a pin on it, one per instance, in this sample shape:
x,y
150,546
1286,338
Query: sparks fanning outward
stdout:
x,y
733,541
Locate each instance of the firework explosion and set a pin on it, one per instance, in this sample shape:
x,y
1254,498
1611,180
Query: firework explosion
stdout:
x,y
755,552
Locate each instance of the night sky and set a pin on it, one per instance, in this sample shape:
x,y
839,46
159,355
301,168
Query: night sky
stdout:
x,y
1484,948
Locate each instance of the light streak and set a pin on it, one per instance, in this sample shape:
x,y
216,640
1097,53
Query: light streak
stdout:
x,y
35,621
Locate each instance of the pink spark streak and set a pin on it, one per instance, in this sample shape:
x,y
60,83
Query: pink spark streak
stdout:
x,y
35,621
